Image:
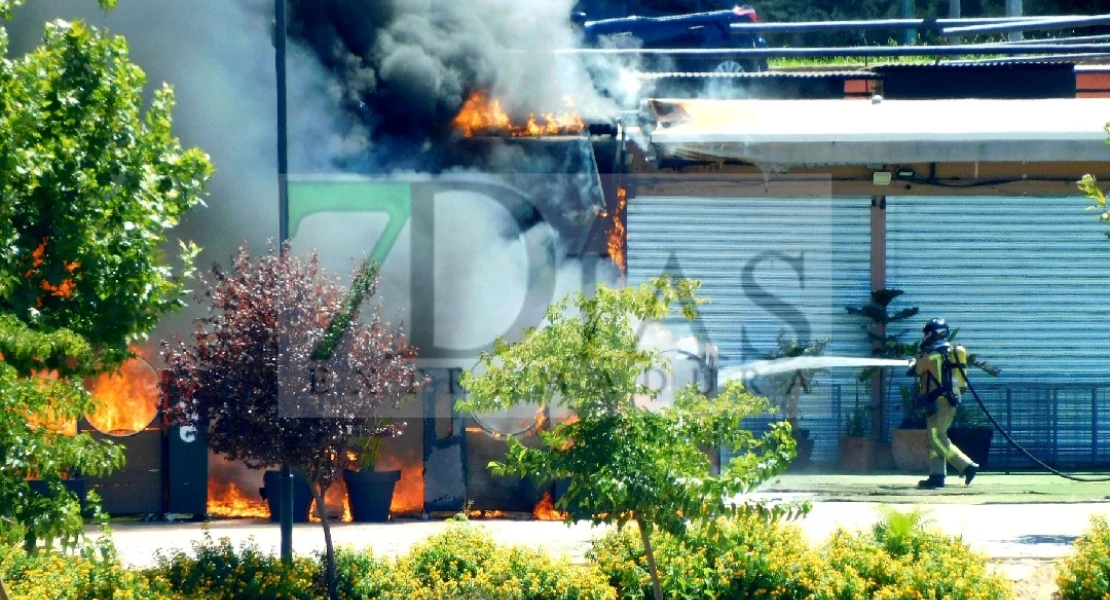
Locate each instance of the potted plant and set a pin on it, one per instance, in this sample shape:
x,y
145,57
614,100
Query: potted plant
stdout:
x,y
787,388
370,491
908,441
302,495
972,432
856,447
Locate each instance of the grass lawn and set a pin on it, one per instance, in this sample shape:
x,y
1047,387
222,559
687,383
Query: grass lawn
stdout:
x,y
988,488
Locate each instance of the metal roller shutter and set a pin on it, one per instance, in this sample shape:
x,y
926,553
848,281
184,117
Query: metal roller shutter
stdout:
x,y
767,265
1026,280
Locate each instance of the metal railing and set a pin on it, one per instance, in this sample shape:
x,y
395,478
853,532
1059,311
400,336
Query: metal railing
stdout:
x,y
1070,47
995,48
1065,425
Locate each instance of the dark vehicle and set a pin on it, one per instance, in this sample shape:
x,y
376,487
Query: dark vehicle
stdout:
x,y
672,24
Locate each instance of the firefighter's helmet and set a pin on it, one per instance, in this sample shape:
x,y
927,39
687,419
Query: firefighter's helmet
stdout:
x,y
934,332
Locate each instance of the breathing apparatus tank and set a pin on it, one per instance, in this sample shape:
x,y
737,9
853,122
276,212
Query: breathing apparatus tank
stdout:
x,y
941,369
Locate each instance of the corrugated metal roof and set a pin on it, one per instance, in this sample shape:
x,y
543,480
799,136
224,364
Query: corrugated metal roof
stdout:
x,y
840,132
763,75
1000,63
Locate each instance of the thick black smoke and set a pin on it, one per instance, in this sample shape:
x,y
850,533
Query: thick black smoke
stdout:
x,y
219,57
408,66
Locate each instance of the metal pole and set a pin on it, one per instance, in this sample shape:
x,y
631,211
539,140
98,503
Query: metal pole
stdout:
x,y
1013,9
1023,59
908,11
1034,25
285,490
1094,426
1078,39
954,13
874,24
1004,49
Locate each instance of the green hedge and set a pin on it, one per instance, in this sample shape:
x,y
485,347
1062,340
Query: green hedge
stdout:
x,y
55,576
742,558
463,562
753,558
1086,573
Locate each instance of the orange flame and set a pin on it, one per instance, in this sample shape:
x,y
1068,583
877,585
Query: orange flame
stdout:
x,y
47,419
65,288
408,496
541,421
618,236
335,503
487,514
126,402
36,256
545,510
225,499
480,114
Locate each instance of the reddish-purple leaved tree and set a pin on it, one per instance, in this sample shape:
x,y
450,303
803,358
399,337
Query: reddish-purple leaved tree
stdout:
x,y
284,371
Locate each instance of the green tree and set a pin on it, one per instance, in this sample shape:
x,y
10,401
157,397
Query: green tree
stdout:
x,y
625,463
89,188
787,388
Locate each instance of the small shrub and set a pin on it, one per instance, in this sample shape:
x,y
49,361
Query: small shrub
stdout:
x,y
460,552
750,557
738,558
362,576
66,577
219,571
902,558
1086,573
464,563
897,531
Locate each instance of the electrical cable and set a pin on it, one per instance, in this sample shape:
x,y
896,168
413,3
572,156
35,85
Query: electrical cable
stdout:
x,y
1017,445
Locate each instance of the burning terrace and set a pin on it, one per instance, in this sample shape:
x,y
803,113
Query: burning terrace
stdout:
x,y
672,151
482,115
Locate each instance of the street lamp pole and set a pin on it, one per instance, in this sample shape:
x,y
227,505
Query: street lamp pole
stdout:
x,y
285,490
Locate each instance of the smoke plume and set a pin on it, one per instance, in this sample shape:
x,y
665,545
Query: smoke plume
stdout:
x,y
407,66
373,85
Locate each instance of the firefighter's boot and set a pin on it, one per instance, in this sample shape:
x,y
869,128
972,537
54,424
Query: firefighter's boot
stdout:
x,y
969,473
932,483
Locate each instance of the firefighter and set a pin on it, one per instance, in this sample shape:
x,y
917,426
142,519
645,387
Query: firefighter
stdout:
x,y
940,368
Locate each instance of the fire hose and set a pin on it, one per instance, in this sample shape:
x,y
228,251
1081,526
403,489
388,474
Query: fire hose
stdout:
x,y
1016,445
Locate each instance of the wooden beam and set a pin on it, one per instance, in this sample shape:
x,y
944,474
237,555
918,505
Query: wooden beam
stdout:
x,y
954,179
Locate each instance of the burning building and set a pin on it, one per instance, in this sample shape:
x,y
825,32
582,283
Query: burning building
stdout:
x,y
441,92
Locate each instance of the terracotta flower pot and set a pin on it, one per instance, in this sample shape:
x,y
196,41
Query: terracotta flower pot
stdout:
x,y
911,451
856,454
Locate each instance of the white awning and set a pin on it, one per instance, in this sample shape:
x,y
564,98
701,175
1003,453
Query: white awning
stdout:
x,y
862,132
